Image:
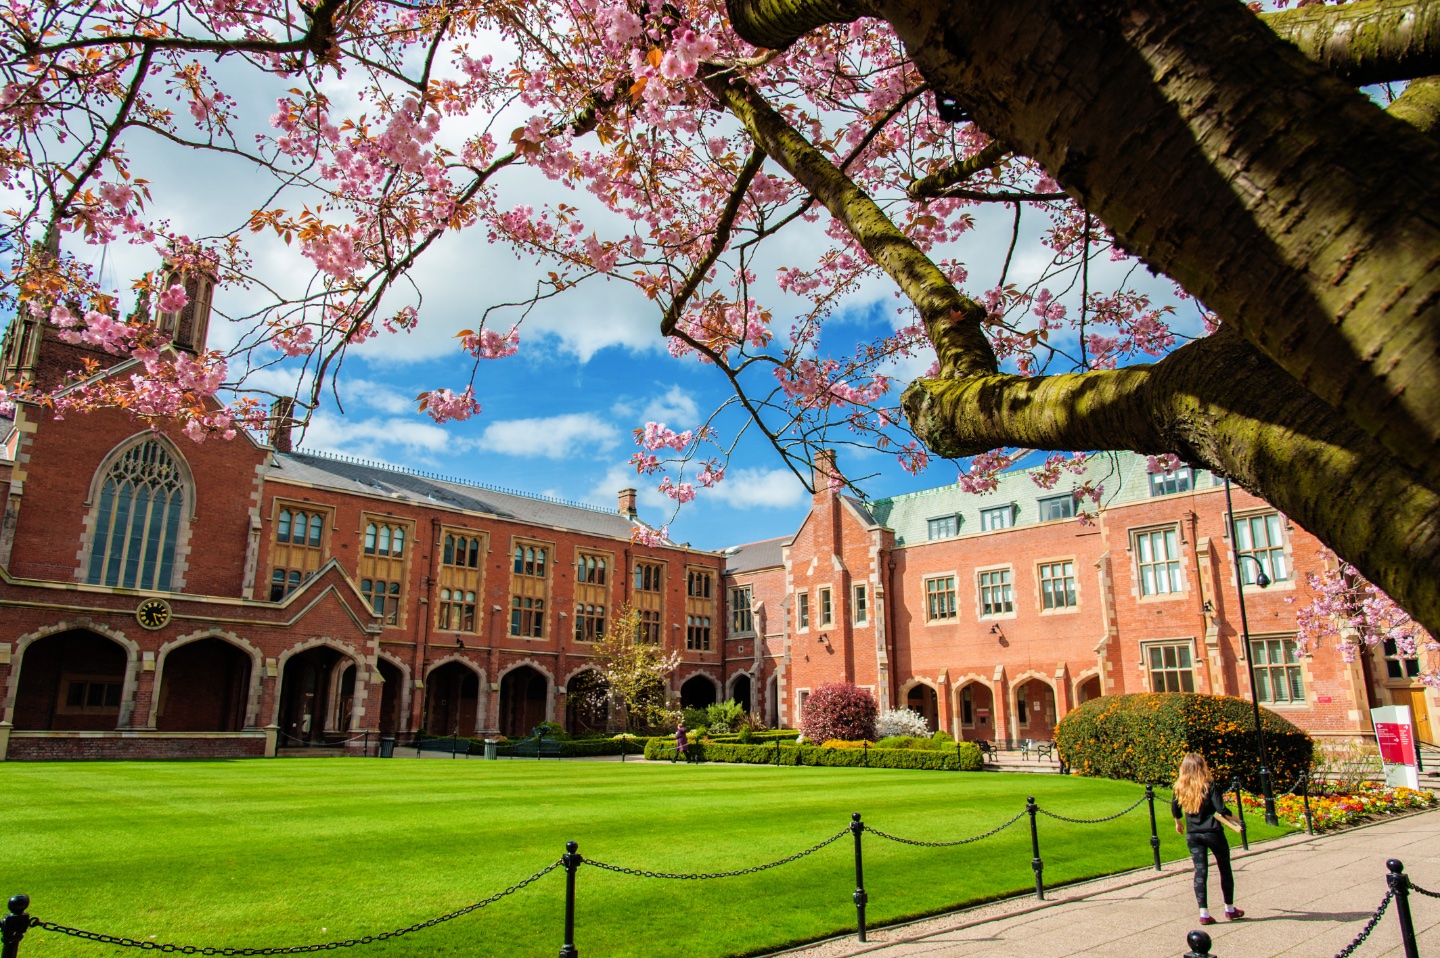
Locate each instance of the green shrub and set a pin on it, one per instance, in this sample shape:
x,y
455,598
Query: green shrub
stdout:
x,y
712,751
775,735
694,718
746,736
969,756
924,743
725,717
944,736
1142,738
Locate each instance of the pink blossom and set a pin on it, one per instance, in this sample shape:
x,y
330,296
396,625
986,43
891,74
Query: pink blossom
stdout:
x,y
172,300
443,405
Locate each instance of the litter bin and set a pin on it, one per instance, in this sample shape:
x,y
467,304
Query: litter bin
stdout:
x,y
490,744
387,746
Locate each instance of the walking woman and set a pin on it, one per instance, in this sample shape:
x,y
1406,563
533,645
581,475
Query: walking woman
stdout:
x,y
1199,809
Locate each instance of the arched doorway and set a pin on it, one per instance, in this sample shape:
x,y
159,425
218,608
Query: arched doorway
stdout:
x,y
977,713
307,689
1089,689
587,703
452,700
204,687
1035,711
71,682
698,692
772,701
391,680
740,691
522,701
344,699
922,699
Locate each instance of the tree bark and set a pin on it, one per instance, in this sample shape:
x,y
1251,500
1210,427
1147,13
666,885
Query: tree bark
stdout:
x,y
1282,199
1369,41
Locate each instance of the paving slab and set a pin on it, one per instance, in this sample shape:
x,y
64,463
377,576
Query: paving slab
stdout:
x,y
1303,897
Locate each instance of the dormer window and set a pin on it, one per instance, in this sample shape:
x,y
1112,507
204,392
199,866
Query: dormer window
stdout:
x,y
1057,507
943,527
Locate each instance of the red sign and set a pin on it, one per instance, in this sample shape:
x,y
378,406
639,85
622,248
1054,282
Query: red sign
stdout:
x,y
1323,699
1397,743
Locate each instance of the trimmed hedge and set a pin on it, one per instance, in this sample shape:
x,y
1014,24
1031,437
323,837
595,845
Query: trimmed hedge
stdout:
x,y
1142,738
713,751
773,735
970,757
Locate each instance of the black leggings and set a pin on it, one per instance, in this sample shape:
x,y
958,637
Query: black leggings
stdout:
x,y
1200,843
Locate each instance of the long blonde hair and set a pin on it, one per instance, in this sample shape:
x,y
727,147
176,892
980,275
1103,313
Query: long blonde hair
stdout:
x,y
1193,782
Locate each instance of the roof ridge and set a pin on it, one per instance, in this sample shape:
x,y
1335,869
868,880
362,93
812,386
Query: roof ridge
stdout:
x,y
423,474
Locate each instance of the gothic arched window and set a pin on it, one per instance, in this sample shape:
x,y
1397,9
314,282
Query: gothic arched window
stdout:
x,y
137,519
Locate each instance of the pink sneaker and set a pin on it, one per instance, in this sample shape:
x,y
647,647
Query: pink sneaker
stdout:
x,y
1207,919
1232,914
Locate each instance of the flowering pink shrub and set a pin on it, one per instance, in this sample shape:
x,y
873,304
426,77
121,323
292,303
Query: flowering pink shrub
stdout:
x,y
842,710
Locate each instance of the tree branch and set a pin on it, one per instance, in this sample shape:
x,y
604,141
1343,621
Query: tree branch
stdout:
x,y
922,282
956,173
1419,105
1217,403
718,242
1368,41
775,24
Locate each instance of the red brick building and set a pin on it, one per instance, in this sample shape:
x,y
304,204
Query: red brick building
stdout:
x,y
994,615
160,597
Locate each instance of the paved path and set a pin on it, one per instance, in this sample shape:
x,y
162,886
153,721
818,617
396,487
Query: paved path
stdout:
x,y
1303,898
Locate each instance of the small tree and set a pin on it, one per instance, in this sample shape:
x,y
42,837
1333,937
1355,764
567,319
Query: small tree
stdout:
x,y
635,671
901,722
842,710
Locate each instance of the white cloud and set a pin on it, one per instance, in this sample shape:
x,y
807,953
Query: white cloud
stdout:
x,y
676,408
370,438
652,505
758,489
554,437
379,396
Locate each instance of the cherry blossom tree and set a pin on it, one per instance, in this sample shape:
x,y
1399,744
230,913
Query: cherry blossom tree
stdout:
x,y
686,141
1349,613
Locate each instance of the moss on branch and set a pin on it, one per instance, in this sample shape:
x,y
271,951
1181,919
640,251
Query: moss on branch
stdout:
x,y
775,24
1369,41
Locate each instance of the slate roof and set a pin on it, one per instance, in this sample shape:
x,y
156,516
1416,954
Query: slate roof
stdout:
x,y
1121,476
764,554
345,474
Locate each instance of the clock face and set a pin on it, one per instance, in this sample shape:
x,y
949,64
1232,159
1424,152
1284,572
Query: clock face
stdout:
x,y
153,613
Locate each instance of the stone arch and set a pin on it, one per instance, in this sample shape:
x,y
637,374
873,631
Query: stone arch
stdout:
x,y
583,715
1045,728
929,705
85,624
773,712
97,480
524,715
357,712
696,698
394,694
740,687
257,670
981,725
431,719
1090,677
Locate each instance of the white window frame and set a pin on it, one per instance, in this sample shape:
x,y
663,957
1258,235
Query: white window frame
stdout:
x,y
1040,581
1175,578
1007,583
860,603
1188,644
953,520
986,515
824,606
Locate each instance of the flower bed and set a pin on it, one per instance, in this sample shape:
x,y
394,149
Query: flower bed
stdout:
x,y
1339,809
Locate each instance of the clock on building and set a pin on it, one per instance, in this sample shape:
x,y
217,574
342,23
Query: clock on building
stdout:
x,y
153,613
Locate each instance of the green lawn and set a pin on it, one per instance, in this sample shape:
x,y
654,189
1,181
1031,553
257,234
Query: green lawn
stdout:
x,y
295,851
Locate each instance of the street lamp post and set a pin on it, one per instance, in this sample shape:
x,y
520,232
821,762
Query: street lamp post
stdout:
x,y
1262,580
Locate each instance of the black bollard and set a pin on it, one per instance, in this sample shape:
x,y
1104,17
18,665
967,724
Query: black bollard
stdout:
x,y
1154,833
1305,797
1035,861
571,860
1240,813
1199,943
14,925
1399,883
857,829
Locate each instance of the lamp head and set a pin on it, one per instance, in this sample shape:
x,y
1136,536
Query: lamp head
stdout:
x,y
1262,580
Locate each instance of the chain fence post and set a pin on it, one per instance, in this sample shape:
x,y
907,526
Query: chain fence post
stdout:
x,y
1399,883
1035,861
571,860
1305,797
857,828
1240,811
14,925
1199,943
1154,833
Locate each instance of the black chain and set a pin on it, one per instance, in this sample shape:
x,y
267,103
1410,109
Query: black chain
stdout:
x,y
701,876
293,949
1427,894
1092,821
964,841
1369,927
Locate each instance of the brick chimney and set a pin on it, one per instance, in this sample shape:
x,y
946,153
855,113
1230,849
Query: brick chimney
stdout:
x,y
823,470
281,421
627,503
